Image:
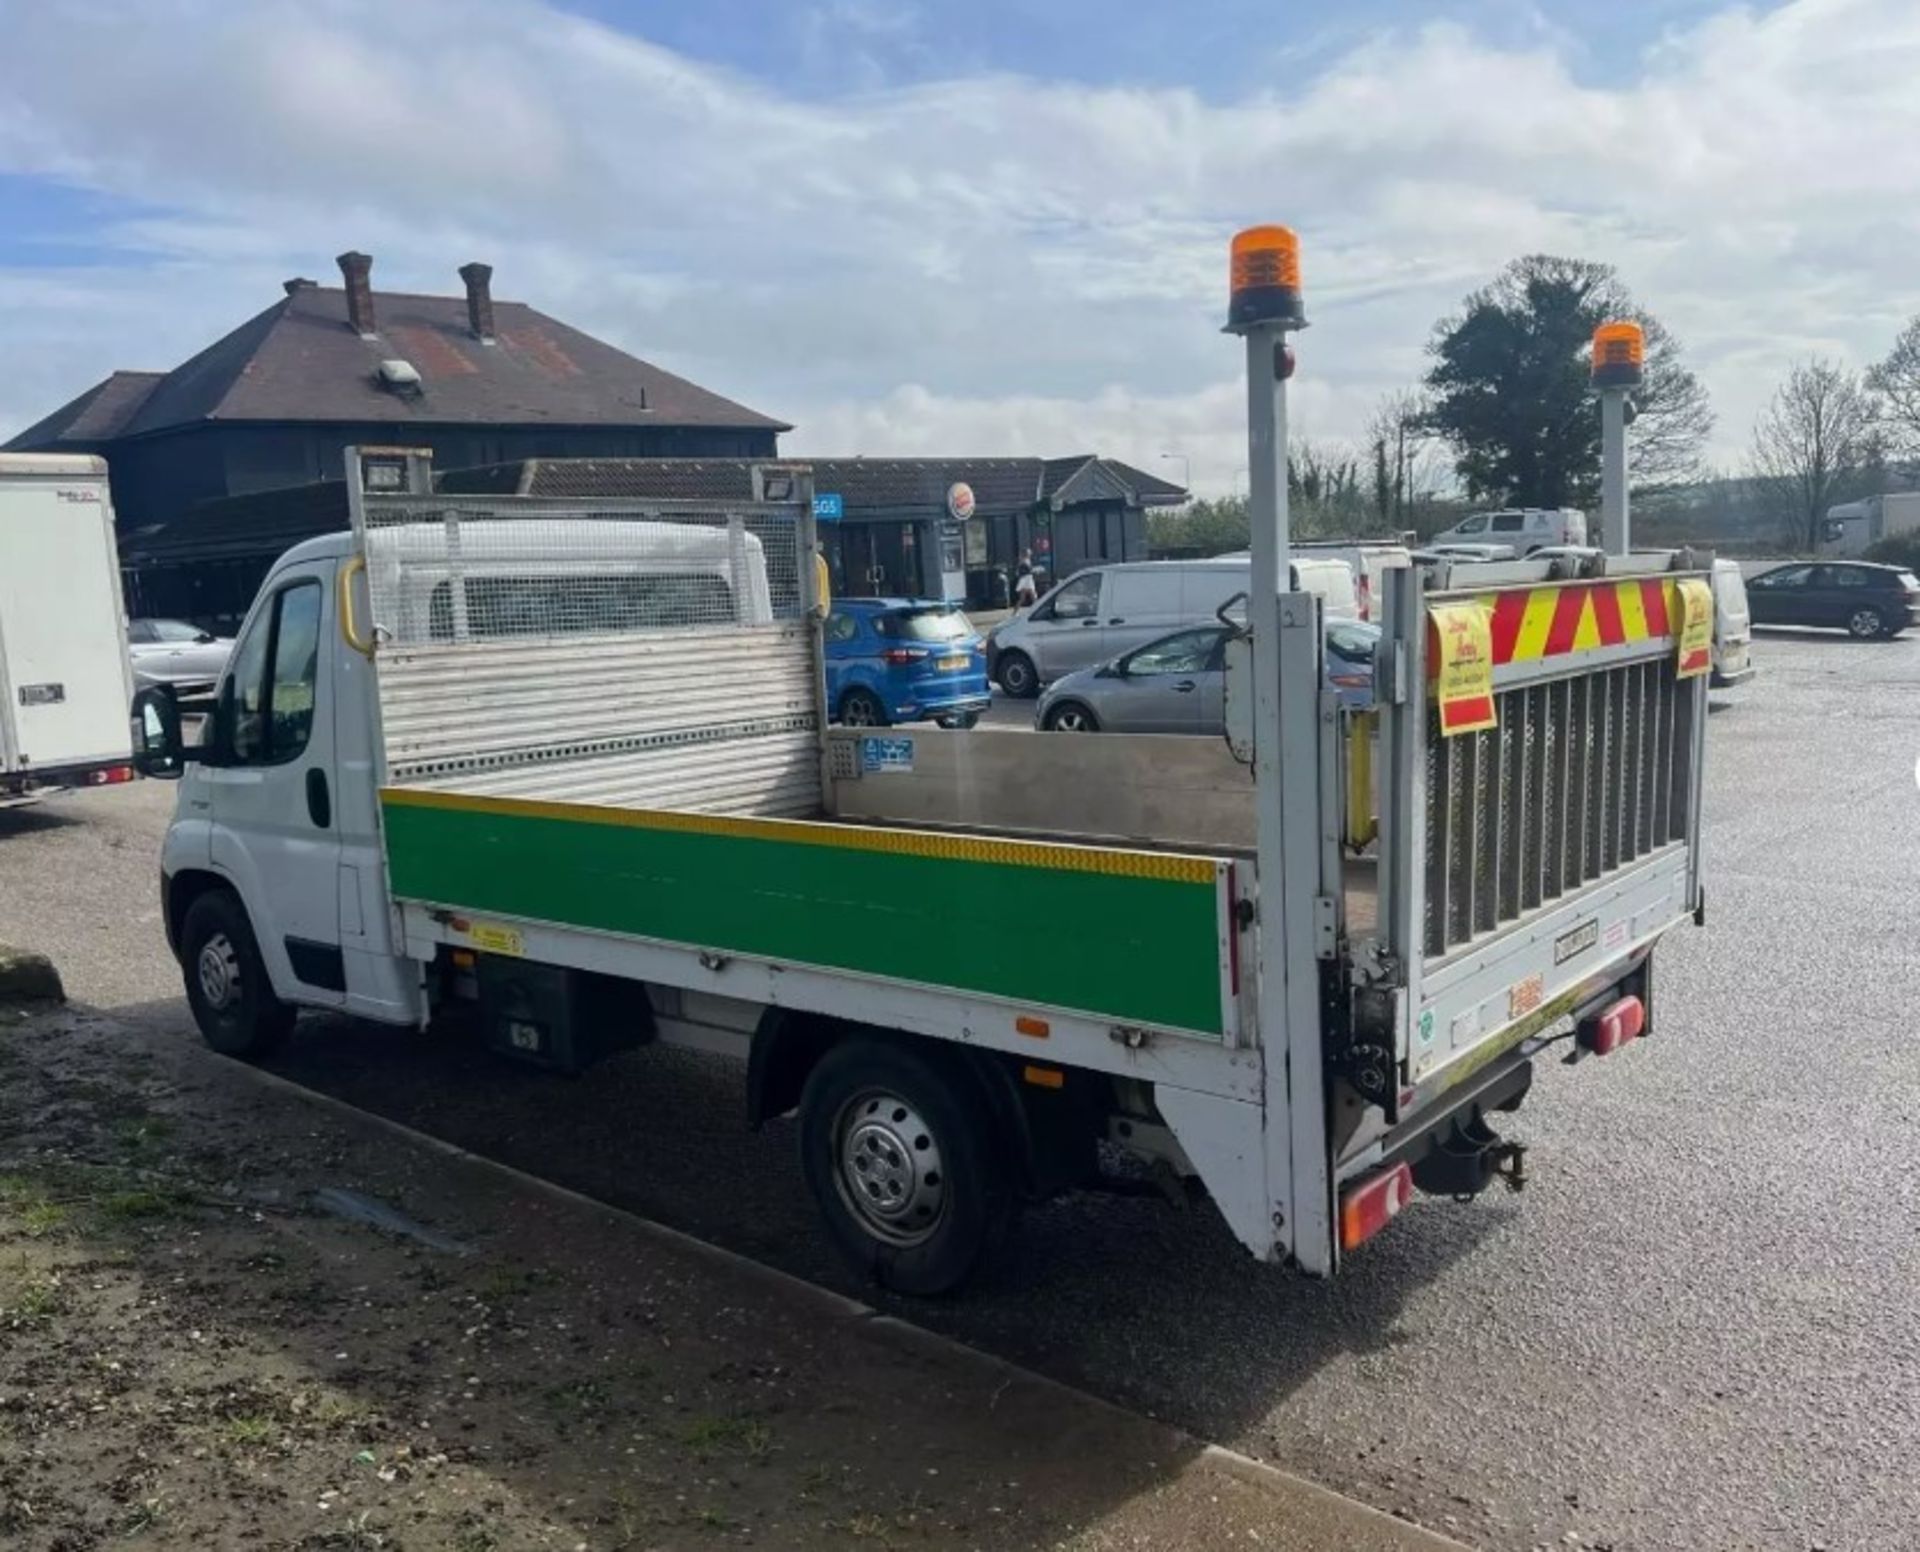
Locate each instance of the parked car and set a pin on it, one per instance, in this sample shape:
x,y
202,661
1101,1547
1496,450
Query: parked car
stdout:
x,y
1525,528
1862,599
178,653
1732,626
1099,613
1178,684
904,660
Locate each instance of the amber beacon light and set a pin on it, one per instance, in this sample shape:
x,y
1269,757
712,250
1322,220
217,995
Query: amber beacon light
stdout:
x,y
1619,354
1264,281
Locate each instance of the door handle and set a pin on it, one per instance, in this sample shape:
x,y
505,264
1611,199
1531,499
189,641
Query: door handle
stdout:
x,y
1089,622
319,800
1117,620
1184,685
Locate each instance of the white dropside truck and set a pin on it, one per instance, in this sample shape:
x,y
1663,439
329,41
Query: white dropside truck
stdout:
x,y
569,761
65,681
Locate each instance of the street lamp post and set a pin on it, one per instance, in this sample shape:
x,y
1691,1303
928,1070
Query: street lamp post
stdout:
x,y
1186,470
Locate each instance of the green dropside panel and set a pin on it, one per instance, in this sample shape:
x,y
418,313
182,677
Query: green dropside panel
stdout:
x,y
1138,950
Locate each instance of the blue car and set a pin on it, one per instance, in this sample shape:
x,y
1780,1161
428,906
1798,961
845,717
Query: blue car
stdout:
x,y
904,660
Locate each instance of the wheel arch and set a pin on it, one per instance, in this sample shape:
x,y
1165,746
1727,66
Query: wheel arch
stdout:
x,y
185,887
788,1045
1053,712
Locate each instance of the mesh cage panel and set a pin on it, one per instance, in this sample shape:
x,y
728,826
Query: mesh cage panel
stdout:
x,y
449,570
603,652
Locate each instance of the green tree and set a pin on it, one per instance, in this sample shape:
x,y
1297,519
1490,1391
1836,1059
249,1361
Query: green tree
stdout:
x,y
1509,388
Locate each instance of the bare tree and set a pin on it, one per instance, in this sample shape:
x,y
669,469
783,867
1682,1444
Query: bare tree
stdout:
x,y
1814,443
1401,440
1897,381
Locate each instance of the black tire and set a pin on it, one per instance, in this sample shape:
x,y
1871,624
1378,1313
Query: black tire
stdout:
x,y
227,986
862,708
1018,677
1866,624
960,721
1071,717
927,1230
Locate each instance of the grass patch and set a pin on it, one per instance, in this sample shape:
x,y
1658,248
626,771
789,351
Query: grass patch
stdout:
x,y
34,1301
41,1218
580,1400
506,1282
472,1536
142,1135
247,1433
141,1518
737,1435
142,1206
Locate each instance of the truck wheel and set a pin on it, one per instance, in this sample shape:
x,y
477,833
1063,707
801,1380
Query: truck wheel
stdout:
x,y
902,1159
1018,677
227,985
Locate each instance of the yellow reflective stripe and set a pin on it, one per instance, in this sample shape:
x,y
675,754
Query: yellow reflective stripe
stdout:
x,y
1531,643
1113,862
1586,631
1633,610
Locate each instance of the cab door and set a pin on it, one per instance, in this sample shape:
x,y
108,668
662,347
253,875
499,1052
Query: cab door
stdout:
x,y
1066,631
267,787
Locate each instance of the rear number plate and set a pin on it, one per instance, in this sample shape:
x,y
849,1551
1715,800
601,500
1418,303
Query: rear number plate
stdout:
x,y
1577,941
951,663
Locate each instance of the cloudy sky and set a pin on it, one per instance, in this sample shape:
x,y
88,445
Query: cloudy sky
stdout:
x,y
962,226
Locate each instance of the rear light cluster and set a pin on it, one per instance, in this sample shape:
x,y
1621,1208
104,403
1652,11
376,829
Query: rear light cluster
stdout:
x,y
1612,1027
903,654
1367,1208
112,776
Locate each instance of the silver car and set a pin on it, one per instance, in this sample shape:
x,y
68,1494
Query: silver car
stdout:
x,y
1178,684
177,653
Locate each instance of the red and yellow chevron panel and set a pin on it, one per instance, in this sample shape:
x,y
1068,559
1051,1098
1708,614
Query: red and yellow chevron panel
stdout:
x,y
1541,622
1531,623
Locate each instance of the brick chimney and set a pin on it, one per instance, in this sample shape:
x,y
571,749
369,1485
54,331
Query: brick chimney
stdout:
x,y
357,270
479,279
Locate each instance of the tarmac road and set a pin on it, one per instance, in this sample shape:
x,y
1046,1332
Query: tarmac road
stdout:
x,y
1698,1328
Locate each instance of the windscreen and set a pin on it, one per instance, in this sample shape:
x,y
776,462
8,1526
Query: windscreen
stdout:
x,y
926,625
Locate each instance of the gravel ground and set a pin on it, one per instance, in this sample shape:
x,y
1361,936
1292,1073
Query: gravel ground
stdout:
x,y
1695,1330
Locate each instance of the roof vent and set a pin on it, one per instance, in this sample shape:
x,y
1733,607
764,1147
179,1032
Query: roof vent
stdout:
x,y
298,283
400,377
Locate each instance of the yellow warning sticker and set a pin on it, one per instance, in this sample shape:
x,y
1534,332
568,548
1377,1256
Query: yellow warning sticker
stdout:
x,y
1461,640
1696,627
493,938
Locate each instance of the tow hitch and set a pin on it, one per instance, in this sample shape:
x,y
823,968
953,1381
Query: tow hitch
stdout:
x,y
1465,1159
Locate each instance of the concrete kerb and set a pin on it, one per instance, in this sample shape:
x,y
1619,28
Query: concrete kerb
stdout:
x,y
1320,1502
27,977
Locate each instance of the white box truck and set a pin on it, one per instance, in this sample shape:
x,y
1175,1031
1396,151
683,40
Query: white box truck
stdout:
x,y
65,680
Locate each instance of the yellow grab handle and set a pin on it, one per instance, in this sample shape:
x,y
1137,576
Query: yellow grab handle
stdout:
x,y
1362,823
348,631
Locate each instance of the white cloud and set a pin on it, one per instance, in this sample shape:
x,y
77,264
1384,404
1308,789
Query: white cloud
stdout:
x,y
983,264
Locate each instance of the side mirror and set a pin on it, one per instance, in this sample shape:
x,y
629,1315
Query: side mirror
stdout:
x,y
205,638
158,751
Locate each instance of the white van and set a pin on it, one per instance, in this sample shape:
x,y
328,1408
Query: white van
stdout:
x,y
1525,528
1732,626
1369,560
1103,611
